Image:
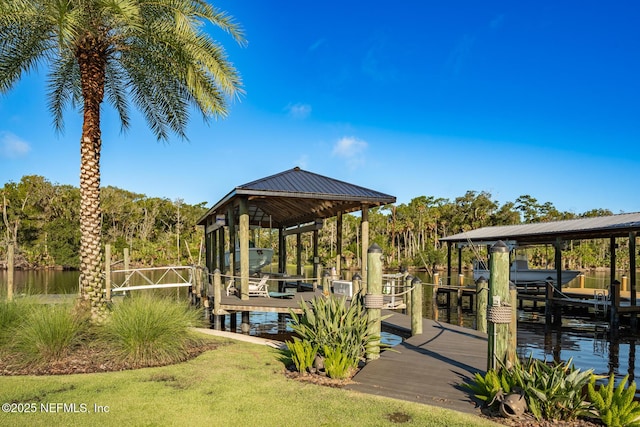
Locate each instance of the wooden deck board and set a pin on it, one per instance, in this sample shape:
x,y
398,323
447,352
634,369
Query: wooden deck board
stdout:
x,y
427,368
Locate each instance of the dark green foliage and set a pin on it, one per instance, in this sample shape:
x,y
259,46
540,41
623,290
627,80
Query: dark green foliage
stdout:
x,y
339,331
552,391
615,405
302,354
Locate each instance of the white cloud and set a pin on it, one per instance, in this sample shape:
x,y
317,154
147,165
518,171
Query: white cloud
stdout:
x,y
351,149
299,111
12,146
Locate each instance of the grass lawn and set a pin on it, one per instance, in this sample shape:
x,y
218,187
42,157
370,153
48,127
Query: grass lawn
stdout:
x,y
240,384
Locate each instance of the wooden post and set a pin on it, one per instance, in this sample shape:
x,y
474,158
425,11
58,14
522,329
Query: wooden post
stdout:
x,y
436,278
434,301
244,249
10,268
460,279
459,306
409,296
318,281
107,272
632,279
513,326
339,244
299,254
364,232
548,302
581,280
126,258
482,291
245,326
325,284
624,283
357,283
217,296
373,301
499,315
316,260
416,306
614,294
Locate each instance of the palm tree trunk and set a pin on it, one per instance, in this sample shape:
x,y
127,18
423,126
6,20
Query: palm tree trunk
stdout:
x,y
91,60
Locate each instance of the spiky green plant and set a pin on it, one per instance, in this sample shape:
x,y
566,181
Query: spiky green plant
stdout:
x,y
552,391
151,330
302,354
337,364
491,386
615,405
49,332
329,323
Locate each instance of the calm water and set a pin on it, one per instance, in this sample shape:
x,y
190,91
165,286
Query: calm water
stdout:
x,y
586,341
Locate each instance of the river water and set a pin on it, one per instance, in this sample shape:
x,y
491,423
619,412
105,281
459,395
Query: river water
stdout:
x,y
585,341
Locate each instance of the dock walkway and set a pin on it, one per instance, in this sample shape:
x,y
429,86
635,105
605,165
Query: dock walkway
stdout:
x,y
427,368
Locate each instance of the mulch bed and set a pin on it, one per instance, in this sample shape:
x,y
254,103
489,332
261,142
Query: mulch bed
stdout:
x,y
87,359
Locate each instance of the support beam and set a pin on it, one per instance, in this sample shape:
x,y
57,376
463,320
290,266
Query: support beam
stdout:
x,y
339,243
221,251
299,254
364,232
244,249
448,263
632,277
232,240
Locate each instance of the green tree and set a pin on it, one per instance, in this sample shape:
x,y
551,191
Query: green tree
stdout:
x,y
155,52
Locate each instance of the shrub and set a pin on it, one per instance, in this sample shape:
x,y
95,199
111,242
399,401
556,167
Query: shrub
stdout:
x,y
337,364
552,391
302,354
11,313
150,330
48,332
615,406
328,323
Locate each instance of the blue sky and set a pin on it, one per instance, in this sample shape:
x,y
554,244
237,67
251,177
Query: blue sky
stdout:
x,y
409,98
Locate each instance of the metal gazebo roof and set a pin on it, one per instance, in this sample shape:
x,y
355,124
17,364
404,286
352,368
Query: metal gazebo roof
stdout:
x,y
547,232
295,197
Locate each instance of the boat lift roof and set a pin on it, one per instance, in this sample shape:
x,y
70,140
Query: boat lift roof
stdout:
x,y
548,232
295,197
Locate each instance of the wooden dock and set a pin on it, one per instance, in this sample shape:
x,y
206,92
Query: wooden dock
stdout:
x,y
427,368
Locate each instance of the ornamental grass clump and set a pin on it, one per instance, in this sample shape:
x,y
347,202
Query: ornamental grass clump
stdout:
x,y
146,330
11,314
49,332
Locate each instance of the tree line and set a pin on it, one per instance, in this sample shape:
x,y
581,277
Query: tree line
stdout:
x,y
42,222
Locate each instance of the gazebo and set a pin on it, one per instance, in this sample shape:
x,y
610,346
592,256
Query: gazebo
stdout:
x,y
294,201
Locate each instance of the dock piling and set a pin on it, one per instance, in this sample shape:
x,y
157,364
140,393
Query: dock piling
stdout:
x,y
416,306
373,300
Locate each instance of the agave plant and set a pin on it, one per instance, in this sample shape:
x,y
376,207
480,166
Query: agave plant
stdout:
x,y
552,391
555,391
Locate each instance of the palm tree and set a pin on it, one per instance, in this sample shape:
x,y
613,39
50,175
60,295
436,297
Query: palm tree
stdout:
x,y
154,53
